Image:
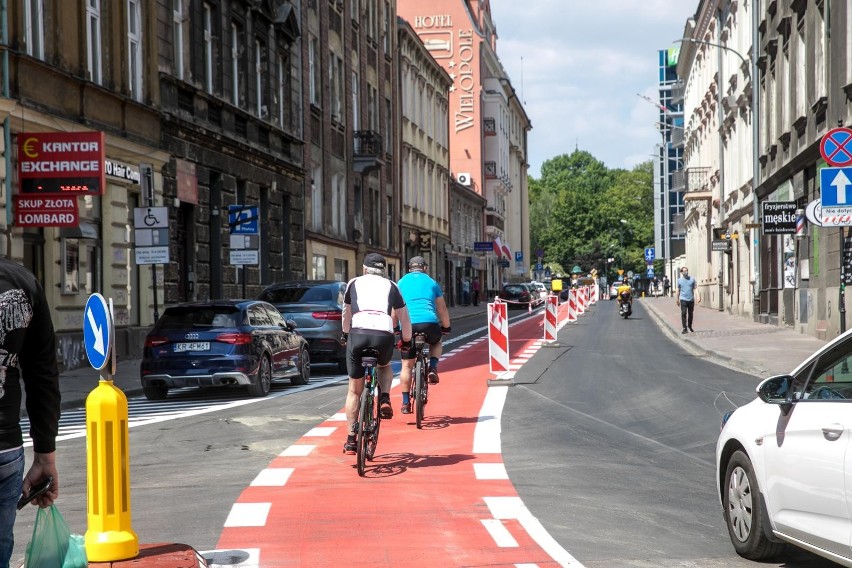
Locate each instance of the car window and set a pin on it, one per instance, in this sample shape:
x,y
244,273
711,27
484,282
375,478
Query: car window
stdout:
x,y
831,377
516,289
297,294
181,317
258,317
275,317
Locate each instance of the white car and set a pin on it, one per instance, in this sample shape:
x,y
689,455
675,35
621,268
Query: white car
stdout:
x,y
784,461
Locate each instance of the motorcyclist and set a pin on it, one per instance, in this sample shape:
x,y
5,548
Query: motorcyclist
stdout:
x,y
624,293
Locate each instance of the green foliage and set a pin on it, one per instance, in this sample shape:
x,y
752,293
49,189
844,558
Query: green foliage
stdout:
x,y
583,213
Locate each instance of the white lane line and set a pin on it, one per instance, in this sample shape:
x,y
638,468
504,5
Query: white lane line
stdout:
x,y
339,417
501,535
297,451
486,435
490,471
514,508
273,477
248,515
526,565
320,432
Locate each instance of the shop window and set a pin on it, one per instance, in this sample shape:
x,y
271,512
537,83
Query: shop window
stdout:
x,y
341,270
318,267
70,266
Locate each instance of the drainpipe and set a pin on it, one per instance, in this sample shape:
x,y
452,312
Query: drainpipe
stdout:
x,y
755,158
722,223
7,135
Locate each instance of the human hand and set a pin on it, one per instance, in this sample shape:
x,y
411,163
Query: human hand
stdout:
x,y
344,337
44,465
677,301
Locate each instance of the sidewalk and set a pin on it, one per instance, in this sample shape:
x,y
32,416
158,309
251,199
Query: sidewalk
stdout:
x,y
737,342
76,384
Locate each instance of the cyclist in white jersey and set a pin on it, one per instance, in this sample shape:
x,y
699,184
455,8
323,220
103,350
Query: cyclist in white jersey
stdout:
x,y
370,305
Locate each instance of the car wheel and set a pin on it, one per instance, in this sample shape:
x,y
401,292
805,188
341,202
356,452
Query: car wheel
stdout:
x,y
263,383
304,369
155,392
745,515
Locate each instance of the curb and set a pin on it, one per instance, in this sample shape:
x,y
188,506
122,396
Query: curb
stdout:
x,y
693,347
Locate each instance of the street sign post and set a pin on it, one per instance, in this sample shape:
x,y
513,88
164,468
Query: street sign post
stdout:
x,y
650,254
243,220
836,147
836,196
97,331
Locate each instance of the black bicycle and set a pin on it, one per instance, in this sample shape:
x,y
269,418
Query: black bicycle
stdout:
x,y
418,389
369,417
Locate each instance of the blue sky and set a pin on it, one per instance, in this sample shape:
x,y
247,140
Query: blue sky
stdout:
x,y
579,64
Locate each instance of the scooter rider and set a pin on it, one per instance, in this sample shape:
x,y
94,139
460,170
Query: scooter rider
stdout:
x,y
624,293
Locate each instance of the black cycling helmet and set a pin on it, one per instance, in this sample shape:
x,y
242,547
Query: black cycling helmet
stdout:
x,y
417,263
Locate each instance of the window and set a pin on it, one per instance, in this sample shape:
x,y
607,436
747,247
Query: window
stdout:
x,y
356,9
260,81
236,70
388,143
373,108
313,70
356,107
389,223
386,33
318,267
338,205
134,48
341,270
316,198
208,47
93,40
335,72
283,91
177,37
34,27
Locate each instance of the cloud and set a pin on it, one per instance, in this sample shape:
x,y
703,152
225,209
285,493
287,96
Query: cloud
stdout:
x,y
578,65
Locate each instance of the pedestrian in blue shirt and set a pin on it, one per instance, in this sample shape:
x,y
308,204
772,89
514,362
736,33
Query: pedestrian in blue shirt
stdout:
x,y
687,297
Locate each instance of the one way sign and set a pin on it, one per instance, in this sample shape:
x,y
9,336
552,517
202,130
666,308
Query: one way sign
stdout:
x,y
835,188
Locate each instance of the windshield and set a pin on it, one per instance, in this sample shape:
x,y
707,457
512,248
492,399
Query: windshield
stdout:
x,y
209,316
298,295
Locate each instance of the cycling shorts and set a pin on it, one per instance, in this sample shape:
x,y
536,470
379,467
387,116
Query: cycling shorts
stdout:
x,y
360,339
433,336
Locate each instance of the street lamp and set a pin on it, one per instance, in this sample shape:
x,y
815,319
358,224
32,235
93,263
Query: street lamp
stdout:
x,y
754,101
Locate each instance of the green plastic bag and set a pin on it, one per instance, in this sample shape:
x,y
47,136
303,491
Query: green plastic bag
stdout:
x,y
52,544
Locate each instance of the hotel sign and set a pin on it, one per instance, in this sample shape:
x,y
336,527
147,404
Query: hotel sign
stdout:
x,y
437,36
68,163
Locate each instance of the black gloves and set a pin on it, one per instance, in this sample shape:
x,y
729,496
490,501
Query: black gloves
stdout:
x,y
445,330
404,346
344,337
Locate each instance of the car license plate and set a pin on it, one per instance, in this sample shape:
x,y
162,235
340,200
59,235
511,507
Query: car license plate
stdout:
x,y
197,346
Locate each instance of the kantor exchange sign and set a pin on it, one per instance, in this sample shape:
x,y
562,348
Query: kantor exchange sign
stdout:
x,y
68,163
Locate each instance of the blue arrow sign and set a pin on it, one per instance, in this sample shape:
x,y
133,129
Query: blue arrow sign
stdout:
x,y
242,219
649,254
97,331
835,187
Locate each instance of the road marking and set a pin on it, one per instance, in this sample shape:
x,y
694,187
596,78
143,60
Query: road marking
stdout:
x,y
273,477
248,515
501,535
486,435
320,432
339,417
298,451
490,471
513,508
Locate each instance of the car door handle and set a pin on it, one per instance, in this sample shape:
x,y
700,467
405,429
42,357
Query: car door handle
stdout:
x,y
832,432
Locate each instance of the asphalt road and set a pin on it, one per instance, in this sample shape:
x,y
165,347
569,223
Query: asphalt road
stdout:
x,y
621,471
625,423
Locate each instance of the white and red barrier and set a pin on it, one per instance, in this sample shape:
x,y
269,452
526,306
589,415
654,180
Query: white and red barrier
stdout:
x,y
572,306
498,337
581,300
595,291
550,303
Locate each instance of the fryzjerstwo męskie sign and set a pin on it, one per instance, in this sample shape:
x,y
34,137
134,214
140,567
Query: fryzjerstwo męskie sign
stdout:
x,y
61,163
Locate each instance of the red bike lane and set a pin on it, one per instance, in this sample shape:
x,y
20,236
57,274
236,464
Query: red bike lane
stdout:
x,y
432,497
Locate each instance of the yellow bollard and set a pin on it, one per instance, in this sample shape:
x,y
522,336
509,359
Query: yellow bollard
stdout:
x,y
109,536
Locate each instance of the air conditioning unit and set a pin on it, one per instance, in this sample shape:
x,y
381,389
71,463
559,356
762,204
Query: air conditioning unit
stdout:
x,y
464,179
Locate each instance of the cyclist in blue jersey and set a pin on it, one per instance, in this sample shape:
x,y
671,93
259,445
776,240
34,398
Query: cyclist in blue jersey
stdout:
x,y
428,313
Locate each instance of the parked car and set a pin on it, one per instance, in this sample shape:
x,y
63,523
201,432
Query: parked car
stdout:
x,y
541,289
223,343
517,295
782,461
317,308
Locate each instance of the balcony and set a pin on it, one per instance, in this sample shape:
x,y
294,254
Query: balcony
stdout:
x,y
677,137
489,126
490,170
691,179
677,92
368,151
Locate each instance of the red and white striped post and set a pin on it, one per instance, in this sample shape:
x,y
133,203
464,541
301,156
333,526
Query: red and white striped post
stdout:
x,y
498,338
572,306
550,303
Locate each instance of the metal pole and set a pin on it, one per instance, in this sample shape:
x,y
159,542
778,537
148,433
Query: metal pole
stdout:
x,y
842,300
722,224
755,157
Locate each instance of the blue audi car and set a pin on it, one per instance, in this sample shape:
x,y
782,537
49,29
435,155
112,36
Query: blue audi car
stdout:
x,y
236,343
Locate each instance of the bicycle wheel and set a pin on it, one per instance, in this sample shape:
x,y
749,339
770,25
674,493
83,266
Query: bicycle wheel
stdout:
x,y
375,421
364,428
419,402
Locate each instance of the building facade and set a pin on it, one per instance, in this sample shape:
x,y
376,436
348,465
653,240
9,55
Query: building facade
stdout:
x,y
425,154
801,90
